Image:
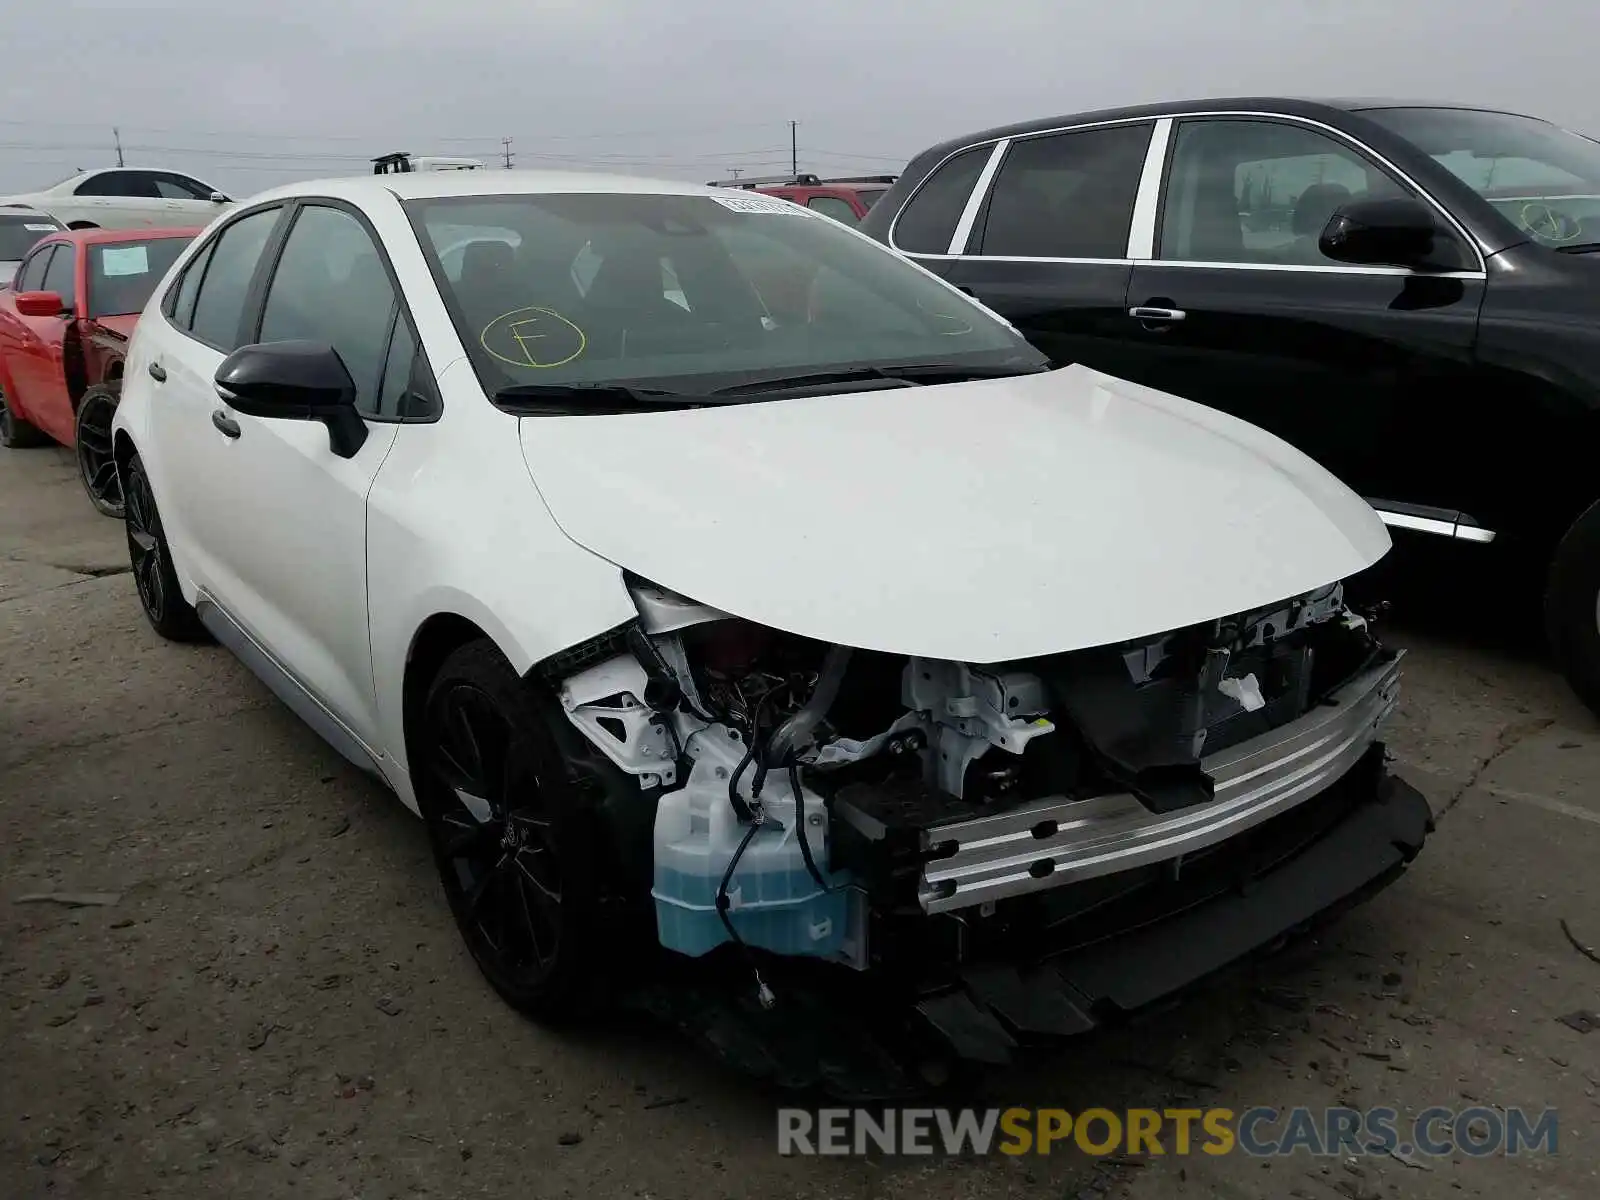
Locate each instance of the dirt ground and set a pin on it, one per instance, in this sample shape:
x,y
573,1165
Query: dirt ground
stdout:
x,y
273,1002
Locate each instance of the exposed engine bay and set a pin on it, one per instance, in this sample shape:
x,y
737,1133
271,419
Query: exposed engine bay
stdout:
x,y
812,800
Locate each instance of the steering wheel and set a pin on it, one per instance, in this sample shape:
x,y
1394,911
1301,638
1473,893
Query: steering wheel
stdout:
x,y
1548,224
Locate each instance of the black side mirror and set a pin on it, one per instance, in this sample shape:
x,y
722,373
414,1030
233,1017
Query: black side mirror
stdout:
x,y
295,381
1395,232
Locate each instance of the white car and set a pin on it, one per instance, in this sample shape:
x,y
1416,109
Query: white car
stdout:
x,y
126,198
20,228
802,615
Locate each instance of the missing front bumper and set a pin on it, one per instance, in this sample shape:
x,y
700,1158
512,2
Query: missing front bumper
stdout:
x,y
1052,842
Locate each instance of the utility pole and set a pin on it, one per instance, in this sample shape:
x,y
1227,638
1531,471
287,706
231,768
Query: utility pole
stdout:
x,y
506,143
794,153
736,171
116,135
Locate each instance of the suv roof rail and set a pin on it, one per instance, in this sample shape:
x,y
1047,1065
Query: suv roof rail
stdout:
x,y
803,179
862,179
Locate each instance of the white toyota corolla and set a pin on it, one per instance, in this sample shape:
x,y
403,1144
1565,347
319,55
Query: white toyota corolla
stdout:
x,y
707,575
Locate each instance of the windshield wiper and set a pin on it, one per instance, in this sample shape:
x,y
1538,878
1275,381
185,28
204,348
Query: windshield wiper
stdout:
x,y
906,374
577,399
1579,248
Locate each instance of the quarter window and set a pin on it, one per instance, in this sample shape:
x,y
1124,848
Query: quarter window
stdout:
x,y
330,286
31,277
61,276
1067,195
1260,192
926,225
180,306
219,308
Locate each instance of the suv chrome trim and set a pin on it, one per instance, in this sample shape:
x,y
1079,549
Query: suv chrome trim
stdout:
x,y
1464,531
1136,248
1254,781
1147,201
980,189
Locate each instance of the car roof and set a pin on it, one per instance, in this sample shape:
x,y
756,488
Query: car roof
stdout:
x,y
1294,106
427,185
102,237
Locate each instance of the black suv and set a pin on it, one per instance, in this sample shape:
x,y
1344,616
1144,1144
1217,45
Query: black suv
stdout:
x,y
1408,292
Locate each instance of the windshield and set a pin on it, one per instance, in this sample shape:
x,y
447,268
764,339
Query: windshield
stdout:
x,y
123,274
1544,179
689,294
19,233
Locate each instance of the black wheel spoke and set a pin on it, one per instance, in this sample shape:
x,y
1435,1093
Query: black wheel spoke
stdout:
x,y
463,836
104,481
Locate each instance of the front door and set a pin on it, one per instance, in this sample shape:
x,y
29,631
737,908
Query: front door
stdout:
x,y
1048,244
38,366
1366,369
297,582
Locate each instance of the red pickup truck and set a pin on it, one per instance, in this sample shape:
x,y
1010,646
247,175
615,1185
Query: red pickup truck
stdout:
x,y
844,200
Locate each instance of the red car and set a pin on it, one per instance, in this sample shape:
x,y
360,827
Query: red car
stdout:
x,y
844,200
64,328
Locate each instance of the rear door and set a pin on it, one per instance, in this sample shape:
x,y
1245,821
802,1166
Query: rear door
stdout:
x,y
1367,369
121,199
1045,243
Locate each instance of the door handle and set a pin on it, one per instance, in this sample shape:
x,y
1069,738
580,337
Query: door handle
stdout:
x,y
225,424
1146,312
157,372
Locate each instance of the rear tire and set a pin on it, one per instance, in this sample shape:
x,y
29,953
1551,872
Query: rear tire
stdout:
x,y
160,597
515,836
16,433
96,465
1572,606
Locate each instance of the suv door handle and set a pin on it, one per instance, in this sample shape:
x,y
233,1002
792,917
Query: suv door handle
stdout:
x,y
157,372
225,424
1145,312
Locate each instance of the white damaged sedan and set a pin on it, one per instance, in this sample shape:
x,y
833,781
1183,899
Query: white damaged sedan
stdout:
x,y
710,578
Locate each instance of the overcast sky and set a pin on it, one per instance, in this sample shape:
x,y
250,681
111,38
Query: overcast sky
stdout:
x,y
291,89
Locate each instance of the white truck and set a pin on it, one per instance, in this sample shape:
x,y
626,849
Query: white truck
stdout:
x,y
400,161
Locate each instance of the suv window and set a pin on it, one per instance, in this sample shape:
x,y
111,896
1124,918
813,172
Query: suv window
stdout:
x,y
219,308
31,277
330,286
926,225
1067,195
833,206
61,276
1260,191
178,187
117,183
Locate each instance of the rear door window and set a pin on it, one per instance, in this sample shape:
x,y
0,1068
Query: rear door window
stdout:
x,y
219,308
1067,195
927,223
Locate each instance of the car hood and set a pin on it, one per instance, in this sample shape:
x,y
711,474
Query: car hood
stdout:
x,y
980,522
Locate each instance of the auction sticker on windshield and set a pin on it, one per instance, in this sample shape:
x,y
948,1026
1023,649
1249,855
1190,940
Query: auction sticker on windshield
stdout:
x,y
758,204
125,260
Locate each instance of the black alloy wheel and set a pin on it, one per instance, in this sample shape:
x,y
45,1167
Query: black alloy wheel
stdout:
x,y
511,838
164,607
96,465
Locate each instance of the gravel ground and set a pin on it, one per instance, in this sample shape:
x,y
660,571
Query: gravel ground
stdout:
x,y
274,1001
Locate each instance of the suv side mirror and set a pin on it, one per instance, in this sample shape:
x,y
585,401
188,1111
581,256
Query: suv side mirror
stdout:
x,y
41,304
1394,232
295,381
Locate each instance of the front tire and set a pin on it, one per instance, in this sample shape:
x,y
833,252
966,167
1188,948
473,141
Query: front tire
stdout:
x,y
15,432
96,465
1572,606
162,600
514,836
